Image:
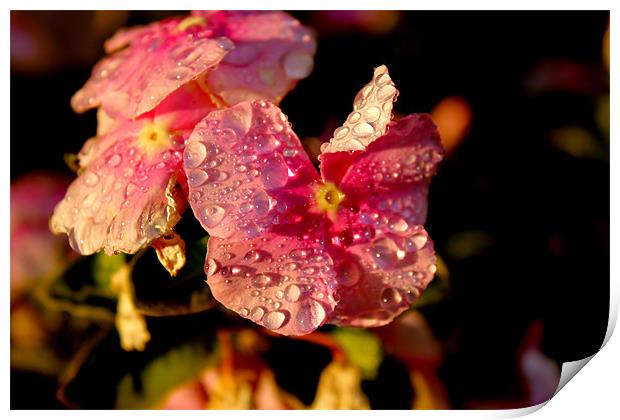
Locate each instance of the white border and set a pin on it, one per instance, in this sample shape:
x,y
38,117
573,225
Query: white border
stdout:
x,y
593,394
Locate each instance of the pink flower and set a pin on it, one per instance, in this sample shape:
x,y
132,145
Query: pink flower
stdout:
x,y
158,82
35,253
291,249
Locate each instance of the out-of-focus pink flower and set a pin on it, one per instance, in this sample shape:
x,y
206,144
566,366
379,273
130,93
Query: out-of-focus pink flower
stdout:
x,y
35,252
158,82
539,373
291,249
373,22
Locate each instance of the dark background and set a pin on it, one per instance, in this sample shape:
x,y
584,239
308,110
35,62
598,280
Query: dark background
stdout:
x,y
546,211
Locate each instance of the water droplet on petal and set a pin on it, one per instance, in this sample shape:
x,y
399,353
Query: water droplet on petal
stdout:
x,y
244,312
261,202
257,314
179,73
252,256
195,153
274,320
274,173
91,179
341,132
266,144
390,297
363,130
196,177
265,280
212,266
382,80
300,254
385,92
384,252
416,242
311,314
114,160
397,224
213,215
290,266
292,293
349,274
372,114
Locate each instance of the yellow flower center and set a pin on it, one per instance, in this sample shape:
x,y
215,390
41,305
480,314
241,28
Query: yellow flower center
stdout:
x,y
153,138
328,197
191,21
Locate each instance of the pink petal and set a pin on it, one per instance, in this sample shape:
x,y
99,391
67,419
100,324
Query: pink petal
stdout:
x,y
381,277
126,197
380,247
408,154
272,51
283,281
247,171
158,60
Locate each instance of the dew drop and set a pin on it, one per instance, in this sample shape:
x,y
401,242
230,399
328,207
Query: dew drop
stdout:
x,y
274,173
384,252
244,312
349,274
212,266
354,117
390,297
252,256
213,215
195,153
311,314
300,253
372,114
114,160
261,202
91,179
179,73
363,130
274,320
257,313
292,293
264,280
196,177
382,80
397,224
266,144
341,132
386,92
290,266
416,242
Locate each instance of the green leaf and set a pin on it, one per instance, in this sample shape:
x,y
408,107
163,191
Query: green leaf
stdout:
x,y
160,376
104,266
362,348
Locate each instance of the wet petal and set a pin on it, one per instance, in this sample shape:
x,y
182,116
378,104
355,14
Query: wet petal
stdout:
x,y
156,61
382,275
282,281
247,171
407,155
272,52
127,195
372,112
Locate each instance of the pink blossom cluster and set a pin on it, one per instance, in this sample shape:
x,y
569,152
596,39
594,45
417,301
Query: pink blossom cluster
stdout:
x,y
187,114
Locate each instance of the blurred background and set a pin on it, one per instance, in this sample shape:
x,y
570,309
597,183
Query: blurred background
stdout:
x,y
519,214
